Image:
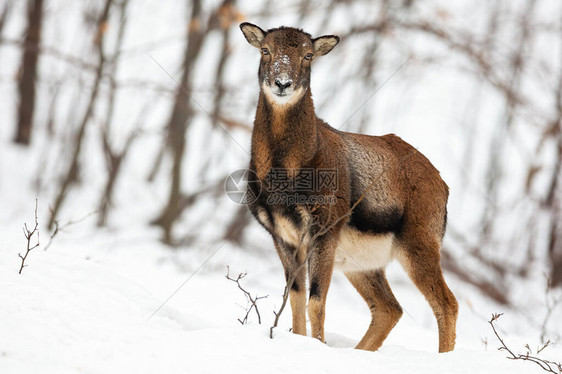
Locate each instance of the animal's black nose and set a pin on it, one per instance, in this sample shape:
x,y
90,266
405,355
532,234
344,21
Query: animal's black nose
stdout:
x,y
282,84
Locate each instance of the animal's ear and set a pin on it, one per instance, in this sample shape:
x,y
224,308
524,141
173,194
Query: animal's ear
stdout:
x,y
254,35
324,44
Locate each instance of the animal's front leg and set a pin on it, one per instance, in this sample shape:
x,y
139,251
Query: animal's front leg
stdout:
x,y
321,266
298,306
295,269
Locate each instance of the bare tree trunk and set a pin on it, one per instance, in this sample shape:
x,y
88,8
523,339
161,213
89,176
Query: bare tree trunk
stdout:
x,y
494,174
469,122
225,15
224,20
182,114
554,203
554,197
113,158
114,162
74,164
28,72
555,249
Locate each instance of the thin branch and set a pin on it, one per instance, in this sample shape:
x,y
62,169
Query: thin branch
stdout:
x,y
546,365
251,301
53,52
551,304
28,235
277,314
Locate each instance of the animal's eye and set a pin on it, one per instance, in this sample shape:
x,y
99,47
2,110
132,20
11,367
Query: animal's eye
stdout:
x,y
265,51
308,56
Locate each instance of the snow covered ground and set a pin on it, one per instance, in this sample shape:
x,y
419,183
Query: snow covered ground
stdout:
x,y
85,305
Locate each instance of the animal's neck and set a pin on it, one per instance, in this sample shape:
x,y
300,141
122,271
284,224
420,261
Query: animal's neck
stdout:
x,y
284,137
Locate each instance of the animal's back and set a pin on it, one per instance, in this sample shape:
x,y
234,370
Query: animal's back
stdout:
x,y
399,180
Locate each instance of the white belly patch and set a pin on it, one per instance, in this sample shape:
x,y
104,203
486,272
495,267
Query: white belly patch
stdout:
x,y
358,251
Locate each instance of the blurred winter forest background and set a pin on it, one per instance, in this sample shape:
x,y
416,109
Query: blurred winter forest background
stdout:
x,y
120,113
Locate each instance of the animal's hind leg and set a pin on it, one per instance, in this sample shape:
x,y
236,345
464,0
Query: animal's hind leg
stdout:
x,y
422,265
385,309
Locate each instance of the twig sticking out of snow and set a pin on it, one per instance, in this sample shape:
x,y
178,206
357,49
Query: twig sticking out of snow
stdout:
x,y
277,314
28,235
551,304
251,301
549,366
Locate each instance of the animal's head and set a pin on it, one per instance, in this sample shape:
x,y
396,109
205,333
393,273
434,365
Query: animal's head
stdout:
x,y
286,55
